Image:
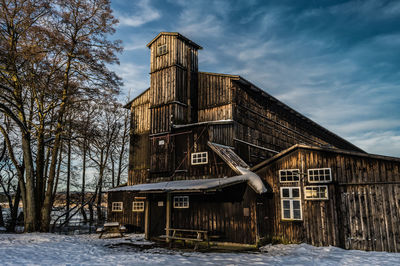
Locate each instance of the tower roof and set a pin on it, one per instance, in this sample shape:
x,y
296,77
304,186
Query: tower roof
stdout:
x,y
180,36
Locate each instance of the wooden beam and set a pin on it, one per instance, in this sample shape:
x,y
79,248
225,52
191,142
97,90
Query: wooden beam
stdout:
x,y
168,215
146,219
255,146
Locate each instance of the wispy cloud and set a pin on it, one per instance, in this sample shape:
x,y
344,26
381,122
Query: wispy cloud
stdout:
x,y
143,14
337,63
135,78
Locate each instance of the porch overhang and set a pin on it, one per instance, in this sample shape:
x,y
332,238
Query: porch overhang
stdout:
x,y
200,185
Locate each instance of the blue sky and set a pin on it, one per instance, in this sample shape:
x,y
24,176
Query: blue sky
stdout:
x,y
337,62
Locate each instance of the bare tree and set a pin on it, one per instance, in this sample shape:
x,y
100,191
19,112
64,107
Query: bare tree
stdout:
x,y
52,57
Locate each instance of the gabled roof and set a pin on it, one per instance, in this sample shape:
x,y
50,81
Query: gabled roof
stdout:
x,y
325,149
228,156
180,36
199,185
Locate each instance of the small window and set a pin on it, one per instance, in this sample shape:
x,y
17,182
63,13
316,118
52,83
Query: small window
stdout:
x,y
181,202
320,175
162,49
138,206
316,192
116,207
199,158
289,175
291,203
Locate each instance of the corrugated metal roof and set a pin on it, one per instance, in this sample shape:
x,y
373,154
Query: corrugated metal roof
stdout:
x,y
199,185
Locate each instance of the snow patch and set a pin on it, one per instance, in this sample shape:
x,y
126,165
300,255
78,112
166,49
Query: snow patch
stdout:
x,y
52,249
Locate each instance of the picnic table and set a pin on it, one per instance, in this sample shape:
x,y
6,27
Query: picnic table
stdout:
x,y
111,228
187,235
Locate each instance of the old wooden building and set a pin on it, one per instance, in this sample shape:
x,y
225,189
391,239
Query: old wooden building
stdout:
x,y
194,137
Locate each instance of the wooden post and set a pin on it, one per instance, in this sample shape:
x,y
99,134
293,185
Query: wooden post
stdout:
x,y
146,219
168,215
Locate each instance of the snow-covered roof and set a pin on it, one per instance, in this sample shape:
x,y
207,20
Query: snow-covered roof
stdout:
x,y
198,185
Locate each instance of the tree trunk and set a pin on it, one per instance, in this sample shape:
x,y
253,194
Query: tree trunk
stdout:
x,y
1,217
68,175
112,171
30,218
100,218
14,211
83,181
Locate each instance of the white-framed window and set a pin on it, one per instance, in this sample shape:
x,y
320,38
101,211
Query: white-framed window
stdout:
x,y
199,158
316,193
162,49
291,203
117,206
138,206
319,175
289,175
181,202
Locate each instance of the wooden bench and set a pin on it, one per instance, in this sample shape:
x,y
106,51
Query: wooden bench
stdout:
x,y
111,228
187,235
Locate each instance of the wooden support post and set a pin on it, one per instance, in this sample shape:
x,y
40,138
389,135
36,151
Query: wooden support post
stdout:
x,y
147,219
168,216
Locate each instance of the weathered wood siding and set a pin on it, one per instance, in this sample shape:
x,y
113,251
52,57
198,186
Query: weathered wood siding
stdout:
x,y
173,83
133,220
265,124
221,214
363,207
214,97
139,156
171,154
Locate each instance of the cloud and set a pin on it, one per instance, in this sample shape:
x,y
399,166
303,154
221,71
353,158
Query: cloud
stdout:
x,y
336,63
385,143
145,13
135,77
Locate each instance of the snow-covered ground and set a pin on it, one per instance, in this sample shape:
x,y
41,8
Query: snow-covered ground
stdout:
x,y
52,249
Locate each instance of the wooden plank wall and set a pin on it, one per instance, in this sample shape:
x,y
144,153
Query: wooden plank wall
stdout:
x,y
170,81
139,157
221,216
221,133
127,217
172,160
214,97
261,123
267,117
363,207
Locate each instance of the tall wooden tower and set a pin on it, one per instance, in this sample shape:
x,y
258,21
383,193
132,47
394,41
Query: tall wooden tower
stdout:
x,y
173,94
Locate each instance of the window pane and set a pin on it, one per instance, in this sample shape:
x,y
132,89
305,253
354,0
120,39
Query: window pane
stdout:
x,y
296,214
285,193
295,193
286,214
296,204
286,204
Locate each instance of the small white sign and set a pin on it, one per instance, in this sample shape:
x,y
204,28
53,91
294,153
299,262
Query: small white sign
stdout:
x,y
246,212
161,142
160,203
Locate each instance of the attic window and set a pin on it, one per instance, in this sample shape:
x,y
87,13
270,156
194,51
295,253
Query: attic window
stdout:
x,y
316,192
289,175
116,207
291,203
138,206
162,49
181,202
319,175
199,158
